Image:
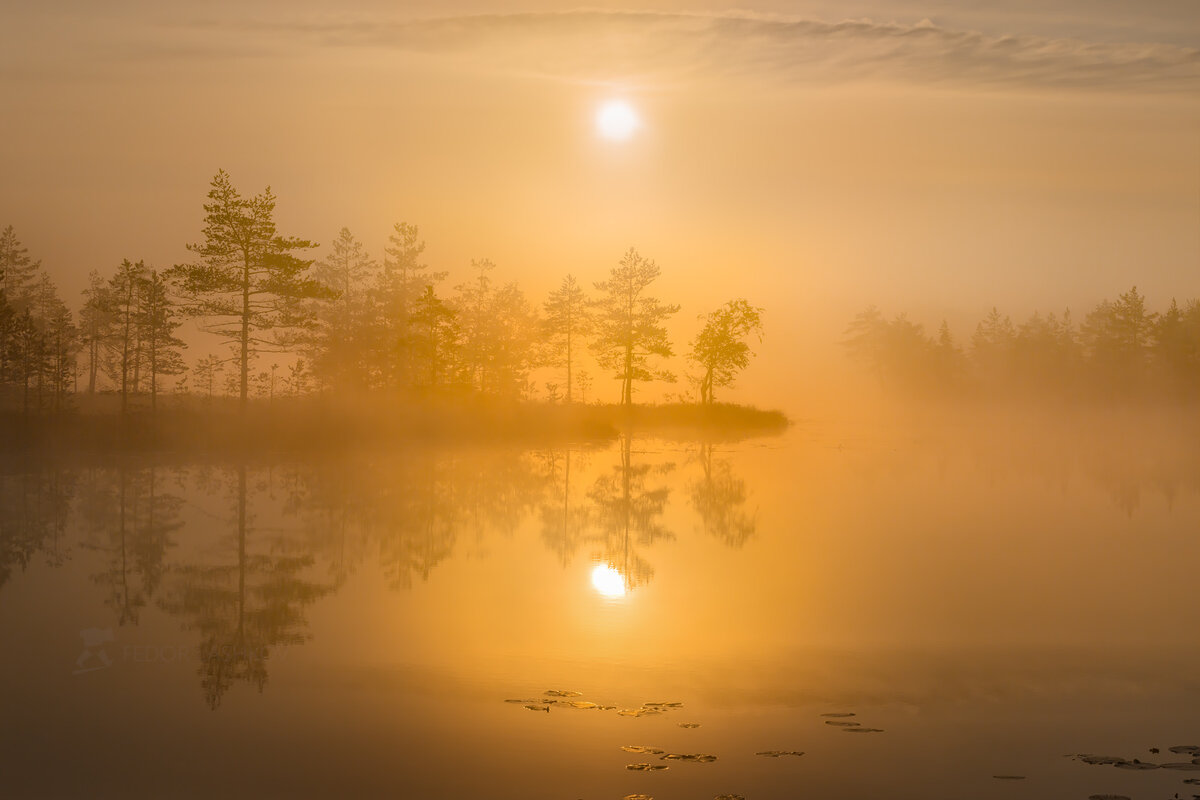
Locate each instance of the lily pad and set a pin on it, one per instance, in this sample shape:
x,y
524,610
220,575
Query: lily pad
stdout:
x,y
562,693
539,708
637,797
862,730
699,758
778,753
1136,765
689,724
646,767
1088,758
582,704
638,712
729,797
839,714
639,748
1184,748
842,724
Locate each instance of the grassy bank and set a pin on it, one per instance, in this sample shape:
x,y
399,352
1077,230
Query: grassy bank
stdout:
x,y
303,424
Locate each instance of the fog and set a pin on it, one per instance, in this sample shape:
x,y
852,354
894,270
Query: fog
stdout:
x,y
467,399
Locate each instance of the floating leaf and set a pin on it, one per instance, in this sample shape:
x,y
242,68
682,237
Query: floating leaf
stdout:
x,y
638,748
839,714
646,767
729,797
842,724
778,753
689,724
663,705
582,704
562,693
1184,748
1186,766
862,730
1087,758
638,712
539,708
1135,764
637,797
699,758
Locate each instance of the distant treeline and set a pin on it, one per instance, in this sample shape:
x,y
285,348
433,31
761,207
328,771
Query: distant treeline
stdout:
x,y
1120,349
344,324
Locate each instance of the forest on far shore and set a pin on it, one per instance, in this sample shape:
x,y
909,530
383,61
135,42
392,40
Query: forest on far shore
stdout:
x,y
1120,351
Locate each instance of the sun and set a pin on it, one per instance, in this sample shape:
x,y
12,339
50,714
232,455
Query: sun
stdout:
x,y
617,120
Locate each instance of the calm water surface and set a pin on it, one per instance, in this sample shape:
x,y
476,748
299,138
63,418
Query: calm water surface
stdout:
x,y
354,625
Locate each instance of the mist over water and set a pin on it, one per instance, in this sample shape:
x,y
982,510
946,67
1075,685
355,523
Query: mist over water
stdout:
x,y
989,594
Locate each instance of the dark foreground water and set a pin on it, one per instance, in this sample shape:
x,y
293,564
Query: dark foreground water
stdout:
x,y
826,614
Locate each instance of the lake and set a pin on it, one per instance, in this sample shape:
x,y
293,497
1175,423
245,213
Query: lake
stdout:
x,y
841,611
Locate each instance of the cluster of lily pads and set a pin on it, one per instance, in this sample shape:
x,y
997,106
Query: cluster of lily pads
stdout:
x,y
1136,764
562,698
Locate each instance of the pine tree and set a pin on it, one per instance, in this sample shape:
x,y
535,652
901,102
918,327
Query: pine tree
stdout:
x,y
18,272
340,352
630,324
157,322
403,281
568,321
248,282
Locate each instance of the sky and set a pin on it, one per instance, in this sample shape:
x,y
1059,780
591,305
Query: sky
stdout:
x,y
813,157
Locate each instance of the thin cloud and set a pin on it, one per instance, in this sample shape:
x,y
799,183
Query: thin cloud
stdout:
x,y
605,45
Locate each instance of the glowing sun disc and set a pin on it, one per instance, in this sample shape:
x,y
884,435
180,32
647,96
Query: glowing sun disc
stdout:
x,y
607,581
617,119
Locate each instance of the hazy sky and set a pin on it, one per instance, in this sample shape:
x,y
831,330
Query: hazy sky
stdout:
x,y
814,157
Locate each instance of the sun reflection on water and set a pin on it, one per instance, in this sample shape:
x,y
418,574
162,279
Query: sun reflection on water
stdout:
x,y
608,581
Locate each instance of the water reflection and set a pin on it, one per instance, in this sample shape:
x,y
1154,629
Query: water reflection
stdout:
x,y
245,598
36,501
236,555
126,516
719,498
628,504
608,581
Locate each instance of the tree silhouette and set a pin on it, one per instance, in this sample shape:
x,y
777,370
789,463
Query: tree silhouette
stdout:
x,y
433,338
157,323
340,357
720,348
95,324
567,322
18,272
630,324
397,291
123,296
248,283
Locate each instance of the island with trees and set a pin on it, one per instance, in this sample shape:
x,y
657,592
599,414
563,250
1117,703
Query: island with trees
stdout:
x,y
346,348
